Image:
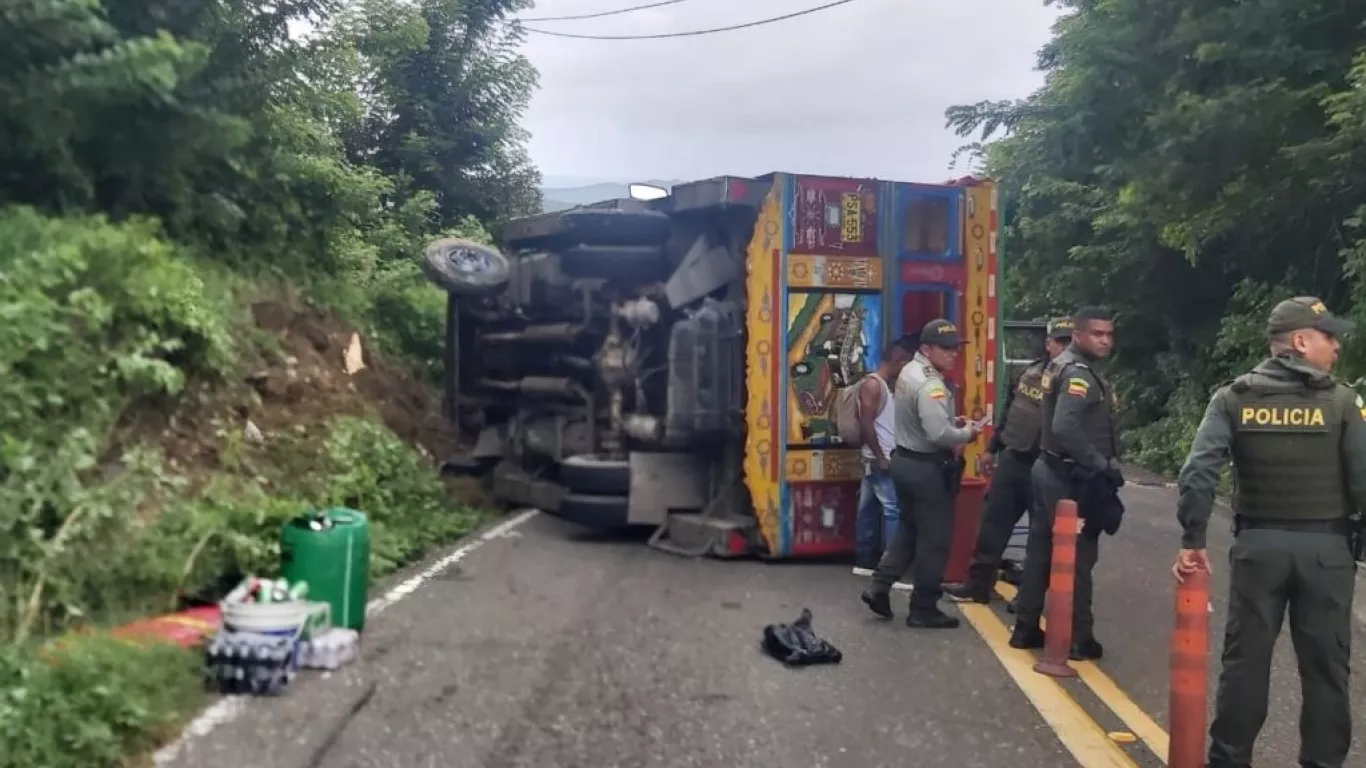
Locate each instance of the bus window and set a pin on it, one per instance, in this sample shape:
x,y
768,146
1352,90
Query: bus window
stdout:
x,y
927,225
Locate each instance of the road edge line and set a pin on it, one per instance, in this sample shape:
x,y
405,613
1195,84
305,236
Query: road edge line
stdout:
x,y
1154,736
1079,733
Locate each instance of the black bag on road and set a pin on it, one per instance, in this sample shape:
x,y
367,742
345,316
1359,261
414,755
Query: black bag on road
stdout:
x,y
797,645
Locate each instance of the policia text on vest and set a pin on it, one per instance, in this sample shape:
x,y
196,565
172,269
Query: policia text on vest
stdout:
x,y
1279,418
1297,441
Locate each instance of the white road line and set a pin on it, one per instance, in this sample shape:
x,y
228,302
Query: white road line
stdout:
x,y
229,708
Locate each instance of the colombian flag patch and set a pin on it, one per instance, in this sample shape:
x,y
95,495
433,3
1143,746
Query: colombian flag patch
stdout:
x,y
1078,387
1361,408
937,393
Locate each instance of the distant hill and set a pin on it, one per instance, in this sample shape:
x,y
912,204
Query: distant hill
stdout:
x,y
560,198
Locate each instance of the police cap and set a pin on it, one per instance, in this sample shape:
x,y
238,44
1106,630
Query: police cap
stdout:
x,y
940,333
1060,328
1304,312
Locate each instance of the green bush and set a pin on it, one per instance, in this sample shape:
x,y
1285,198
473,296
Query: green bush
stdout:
x,y
92,702
407,311
412,320
409,507
231,526
92,315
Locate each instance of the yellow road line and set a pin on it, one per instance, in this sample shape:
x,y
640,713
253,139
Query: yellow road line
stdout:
x,y
1114,697
1081,735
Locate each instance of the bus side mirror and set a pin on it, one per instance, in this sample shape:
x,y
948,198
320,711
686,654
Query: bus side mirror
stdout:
x,y
647,192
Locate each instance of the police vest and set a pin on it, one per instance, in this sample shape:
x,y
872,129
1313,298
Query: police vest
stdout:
x,y
1287,456
1025,417
1098,423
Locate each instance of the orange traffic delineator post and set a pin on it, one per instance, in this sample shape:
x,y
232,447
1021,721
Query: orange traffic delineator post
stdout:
x,y
1189,683
1061,584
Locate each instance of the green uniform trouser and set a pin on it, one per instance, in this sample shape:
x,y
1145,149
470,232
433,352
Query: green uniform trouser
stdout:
x,y
1314,575
924,535
1049,489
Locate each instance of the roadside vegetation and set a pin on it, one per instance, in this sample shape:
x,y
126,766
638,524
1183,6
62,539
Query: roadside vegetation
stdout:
x,y
1190,164
201,206
202,203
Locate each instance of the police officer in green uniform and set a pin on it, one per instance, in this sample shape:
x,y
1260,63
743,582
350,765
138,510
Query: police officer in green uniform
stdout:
x,y
1297,440
926,470
1078,450
1015,446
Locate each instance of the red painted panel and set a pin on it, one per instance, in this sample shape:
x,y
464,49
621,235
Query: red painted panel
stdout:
x,y
835,217
823,516
967,518
933,272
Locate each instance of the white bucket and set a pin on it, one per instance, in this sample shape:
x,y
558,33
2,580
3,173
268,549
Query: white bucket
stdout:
x,y
286,618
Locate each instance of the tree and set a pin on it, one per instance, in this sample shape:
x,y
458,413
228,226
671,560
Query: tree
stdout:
x,y
1189,164
444,87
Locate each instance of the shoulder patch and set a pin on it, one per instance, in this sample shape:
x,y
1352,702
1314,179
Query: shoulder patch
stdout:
x,y
1078,387
1361,407
936,391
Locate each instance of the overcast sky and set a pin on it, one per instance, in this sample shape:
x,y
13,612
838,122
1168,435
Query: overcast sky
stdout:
x,y
856,90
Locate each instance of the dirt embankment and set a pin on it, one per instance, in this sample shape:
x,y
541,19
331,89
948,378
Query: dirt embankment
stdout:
x,y
302,368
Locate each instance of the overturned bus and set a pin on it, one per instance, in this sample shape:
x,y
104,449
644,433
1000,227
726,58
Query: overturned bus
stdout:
x,y
673,359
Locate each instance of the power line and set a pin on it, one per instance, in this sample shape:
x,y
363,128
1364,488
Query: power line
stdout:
x,y
694,32
600,14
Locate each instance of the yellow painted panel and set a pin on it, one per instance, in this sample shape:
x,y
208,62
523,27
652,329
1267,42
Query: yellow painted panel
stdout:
x,y
763,359
809,271
978,309
830,465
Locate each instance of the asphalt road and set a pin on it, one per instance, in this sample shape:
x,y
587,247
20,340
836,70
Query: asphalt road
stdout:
x,y
544,646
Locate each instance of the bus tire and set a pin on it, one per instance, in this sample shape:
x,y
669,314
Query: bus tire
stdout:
x,y
591,511
596,475
614,262
466,268
608,226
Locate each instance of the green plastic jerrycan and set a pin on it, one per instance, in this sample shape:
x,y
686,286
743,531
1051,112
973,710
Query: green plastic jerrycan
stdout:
x,y
330,550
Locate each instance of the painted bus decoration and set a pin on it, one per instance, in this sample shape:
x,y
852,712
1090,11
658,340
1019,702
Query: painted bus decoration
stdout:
x,y
673,359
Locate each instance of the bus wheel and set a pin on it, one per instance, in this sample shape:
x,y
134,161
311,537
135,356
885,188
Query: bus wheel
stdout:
x,y
594,474
601,512
615,262
607,226
466,268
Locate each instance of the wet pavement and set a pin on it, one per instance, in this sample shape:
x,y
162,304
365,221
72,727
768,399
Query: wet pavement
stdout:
x,y
545,646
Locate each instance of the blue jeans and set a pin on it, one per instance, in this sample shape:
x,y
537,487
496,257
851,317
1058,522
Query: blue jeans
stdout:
x,y
875,495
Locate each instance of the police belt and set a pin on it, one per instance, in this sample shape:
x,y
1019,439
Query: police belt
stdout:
x,y
1057,462
929,457
1338,525
1028,457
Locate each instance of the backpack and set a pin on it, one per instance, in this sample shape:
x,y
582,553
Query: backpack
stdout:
x,y
846,413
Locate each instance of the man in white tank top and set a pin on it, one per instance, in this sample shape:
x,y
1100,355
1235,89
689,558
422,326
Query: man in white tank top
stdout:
x,y
878,513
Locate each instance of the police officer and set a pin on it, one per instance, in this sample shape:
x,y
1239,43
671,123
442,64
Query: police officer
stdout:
x,y
1297,440
926,468
1078,453
1015,446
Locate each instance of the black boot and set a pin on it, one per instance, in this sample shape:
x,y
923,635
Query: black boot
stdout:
x,y
1026,636
1087,650
970,591
930,618
878,602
